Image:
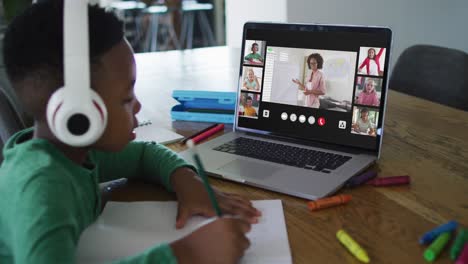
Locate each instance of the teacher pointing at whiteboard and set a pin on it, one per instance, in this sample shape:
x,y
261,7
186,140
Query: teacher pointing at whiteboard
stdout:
x,y
315,85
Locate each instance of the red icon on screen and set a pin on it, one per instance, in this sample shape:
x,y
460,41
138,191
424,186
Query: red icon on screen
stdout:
x,y
321,121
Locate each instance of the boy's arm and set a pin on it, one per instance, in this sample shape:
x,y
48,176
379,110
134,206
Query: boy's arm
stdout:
x,y
160,254
48,224
144,160
45,228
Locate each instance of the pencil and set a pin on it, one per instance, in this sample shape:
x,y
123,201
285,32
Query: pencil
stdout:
x,y
198,133
201,173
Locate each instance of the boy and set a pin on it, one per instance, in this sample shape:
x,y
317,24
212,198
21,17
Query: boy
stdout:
x,y
248,108
49,191
254,57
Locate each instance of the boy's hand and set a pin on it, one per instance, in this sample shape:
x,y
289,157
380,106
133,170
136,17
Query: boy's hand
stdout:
x,y
222,241
194,200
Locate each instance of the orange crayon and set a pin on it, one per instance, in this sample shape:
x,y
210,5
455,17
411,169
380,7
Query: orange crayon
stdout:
x,y
329,202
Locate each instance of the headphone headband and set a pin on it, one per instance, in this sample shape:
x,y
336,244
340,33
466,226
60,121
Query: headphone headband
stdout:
x,y
76,49
75,113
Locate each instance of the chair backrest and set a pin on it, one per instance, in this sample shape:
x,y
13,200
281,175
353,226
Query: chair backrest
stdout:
x,y
10,120
433,73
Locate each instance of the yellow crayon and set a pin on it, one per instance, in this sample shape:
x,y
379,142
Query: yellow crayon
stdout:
x,y
352,246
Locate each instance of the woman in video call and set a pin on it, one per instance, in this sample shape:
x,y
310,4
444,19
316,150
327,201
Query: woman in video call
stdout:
x,y
251,83
372,63
368,95
315,85
363,125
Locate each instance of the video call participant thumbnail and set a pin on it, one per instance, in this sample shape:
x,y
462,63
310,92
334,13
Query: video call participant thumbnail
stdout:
x,y
255,57
366,91
373,63
364,122
252,80
248,105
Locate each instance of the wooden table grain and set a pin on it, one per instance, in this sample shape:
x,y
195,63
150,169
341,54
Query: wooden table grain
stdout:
x,y
425,140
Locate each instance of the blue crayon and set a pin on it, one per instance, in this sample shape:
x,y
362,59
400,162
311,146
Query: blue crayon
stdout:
x,y
431,235
361,179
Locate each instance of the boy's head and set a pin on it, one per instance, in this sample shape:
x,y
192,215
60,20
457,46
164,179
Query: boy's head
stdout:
x,y
254,47
249,101
33,54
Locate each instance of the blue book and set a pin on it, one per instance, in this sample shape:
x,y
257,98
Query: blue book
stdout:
x,y
204,106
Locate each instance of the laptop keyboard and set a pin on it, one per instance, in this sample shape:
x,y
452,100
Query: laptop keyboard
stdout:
x,y
284,154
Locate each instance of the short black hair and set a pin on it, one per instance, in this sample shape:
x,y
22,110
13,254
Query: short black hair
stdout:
x,y
33,43
364,110
249,98
318,58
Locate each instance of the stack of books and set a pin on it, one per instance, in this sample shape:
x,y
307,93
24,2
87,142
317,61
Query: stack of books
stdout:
x,y
204,106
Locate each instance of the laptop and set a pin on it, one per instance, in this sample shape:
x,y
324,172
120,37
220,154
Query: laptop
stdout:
x,y
310,110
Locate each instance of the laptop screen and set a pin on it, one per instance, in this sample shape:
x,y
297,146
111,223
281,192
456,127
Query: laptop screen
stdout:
x,y
314,82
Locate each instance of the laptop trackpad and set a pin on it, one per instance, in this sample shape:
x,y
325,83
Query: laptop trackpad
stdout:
x,y
244,168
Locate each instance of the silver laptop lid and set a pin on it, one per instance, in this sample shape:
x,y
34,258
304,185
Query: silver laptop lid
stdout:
x,y
319,83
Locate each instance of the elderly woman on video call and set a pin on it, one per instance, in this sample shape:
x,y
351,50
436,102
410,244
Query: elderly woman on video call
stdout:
x,y
251,82
368,95
315,85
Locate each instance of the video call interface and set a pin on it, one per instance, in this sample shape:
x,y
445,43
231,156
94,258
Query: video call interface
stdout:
x,y
324,86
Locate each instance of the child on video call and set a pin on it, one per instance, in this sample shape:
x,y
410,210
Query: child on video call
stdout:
x,y
49,190
254,57
249,110
368,96
251,82
363,124
372,63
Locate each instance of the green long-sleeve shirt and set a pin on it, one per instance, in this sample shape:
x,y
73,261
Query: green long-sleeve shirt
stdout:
x,y
46,200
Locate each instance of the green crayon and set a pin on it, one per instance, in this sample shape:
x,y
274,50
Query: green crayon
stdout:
x,y
431,253
457,246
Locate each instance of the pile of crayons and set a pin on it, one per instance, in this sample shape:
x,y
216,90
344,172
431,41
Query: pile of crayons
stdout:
x,y
439,237
365,178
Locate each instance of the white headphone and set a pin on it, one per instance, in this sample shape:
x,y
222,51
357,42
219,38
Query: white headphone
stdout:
x,y
76,114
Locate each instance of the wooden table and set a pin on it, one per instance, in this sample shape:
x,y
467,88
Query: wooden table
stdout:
x,y
425,140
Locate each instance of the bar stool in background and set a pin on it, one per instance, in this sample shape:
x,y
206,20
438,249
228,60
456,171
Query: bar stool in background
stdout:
x,y
190,9
131,13
160,19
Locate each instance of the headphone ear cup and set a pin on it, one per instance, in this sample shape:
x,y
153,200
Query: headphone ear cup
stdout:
x,y
100,107
53,105
76,123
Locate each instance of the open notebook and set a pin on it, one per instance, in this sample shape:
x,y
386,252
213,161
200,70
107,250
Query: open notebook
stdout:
x,y
126,229
147,131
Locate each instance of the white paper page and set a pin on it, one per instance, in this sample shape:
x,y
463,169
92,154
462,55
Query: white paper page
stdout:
x,y
152,132
126,229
